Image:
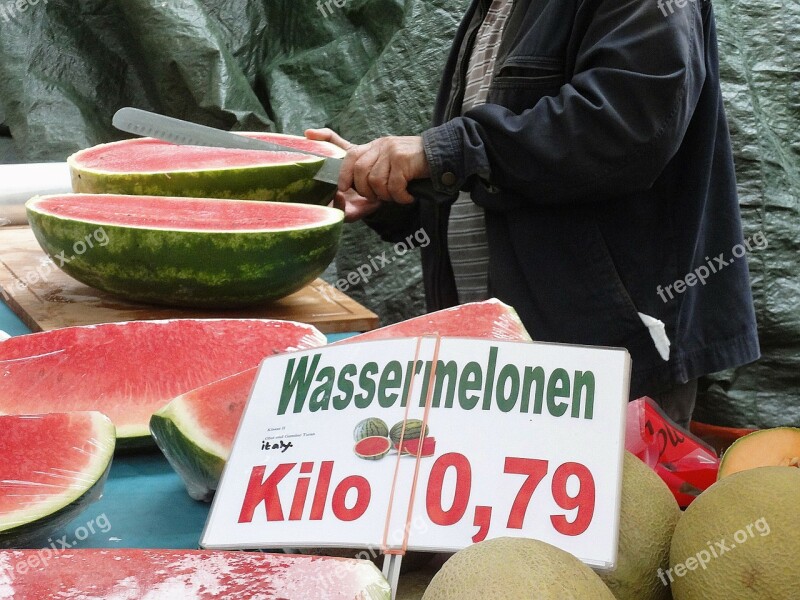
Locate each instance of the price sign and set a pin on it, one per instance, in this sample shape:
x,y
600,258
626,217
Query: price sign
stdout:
x,y
499,439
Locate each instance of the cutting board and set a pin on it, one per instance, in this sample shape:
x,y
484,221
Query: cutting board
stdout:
x,y
45,298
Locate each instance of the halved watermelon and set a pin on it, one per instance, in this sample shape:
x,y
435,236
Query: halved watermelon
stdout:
x,y
129,370
186,251
51,467
155,168
186,574
196,430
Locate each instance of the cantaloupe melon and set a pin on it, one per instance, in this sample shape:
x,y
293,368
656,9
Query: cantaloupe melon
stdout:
x,y
778,447
740,539
515,569
648,516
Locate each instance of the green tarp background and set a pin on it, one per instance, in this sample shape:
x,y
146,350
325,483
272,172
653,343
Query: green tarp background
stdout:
x,y
368,68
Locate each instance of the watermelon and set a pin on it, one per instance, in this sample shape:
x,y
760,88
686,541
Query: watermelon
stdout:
x,y
186,252
370,427
488,320
409,429
145,166
412,447
130,370
372,448
186,574
196,430
51,467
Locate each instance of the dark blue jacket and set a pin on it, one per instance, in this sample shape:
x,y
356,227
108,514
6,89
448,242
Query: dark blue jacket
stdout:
x,y
603,161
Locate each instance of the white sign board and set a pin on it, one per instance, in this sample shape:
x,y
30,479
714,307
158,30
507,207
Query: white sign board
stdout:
x,y
523,439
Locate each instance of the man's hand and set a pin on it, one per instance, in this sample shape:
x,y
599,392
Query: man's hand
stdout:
x,y
381,169
354,206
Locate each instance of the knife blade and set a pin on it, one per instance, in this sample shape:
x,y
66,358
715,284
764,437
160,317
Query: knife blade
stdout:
x,y
178,131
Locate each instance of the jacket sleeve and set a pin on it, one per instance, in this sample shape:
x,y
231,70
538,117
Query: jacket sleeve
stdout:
x,y
394,222
611,128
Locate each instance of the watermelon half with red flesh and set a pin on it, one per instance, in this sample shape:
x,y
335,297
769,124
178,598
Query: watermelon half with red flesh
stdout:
x,y
196,430
51,467
152,167
196,252
186,574
130,370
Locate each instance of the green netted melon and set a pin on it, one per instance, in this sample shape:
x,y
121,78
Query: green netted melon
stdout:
x,y
648,515
515,569
740,539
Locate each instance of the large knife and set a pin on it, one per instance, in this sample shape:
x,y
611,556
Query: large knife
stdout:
x,y
178,131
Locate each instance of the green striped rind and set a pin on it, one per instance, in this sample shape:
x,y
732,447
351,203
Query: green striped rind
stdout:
x,y
370,427
413,431
206,269
42,521
285,182
199,468
36,532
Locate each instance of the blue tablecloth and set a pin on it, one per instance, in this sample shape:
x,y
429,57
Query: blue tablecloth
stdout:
x,y
144,504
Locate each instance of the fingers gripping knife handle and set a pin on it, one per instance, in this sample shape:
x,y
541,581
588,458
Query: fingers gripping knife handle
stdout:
x,y
422,189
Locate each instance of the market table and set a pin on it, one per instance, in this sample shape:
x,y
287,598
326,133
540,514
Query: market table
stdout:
x,y
144,504
44,297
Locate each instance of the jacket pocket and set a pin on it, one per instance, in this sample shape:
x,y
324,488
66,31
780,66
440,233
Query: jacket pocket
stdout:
x,y
602,274
522,81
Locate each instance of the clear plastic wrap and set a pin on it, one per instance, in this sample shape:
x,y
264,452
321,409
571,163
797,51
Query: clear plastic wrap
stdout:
x,y
52,467
175,574
130,370
685,463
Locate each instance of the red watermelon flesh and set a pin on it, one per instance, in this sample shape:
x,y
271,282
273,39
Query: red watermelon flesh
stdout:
x,y
197,428
151,155
491,319
178,575
51,467
129,370
185,214
412,446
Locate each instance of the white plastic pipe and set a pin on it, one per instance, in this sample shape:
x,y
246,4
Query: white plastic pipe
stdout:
x,y
19,183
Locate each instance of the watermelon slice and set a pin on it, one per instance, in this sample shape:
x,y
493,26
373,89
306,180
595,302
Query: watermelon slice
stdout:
x,y
374,447
152,167
196,430
129,370
186,251
412,447
188,574
51,467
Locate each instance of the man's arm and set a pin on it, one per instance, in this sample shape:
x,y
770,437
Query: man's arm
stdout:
x,y
610,130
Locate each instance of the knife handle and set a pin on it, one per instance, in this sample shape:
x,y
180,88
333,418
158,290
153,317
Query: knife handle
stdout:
x,y
422,189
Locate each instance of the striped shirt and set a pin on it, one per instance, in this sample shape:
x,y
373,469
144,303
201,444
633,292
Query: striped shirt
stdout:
x,y
466,235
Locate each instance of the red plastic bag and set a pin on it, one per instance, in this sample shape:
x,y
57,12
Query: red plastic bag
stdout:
x,y
687,464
